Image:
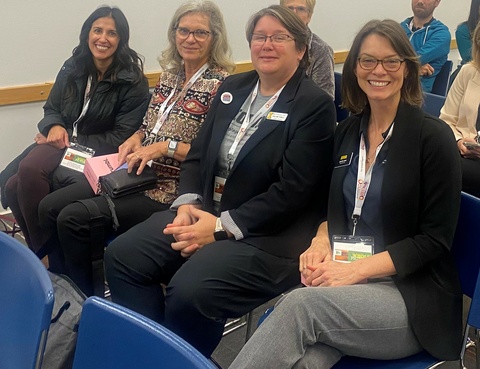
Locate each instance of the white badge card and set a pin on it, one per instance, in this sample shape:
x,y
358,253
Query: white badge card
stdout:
x,y
75,156
218,188
351,248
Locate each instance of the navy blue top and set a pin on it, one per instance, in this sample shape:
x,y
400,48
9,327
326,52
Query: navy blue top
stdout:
x,y
371,220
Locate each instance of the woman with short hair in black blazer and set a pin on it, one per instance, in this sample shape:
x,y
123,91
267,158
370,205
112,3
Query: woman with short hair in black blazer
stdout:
x,y
393,206
253,190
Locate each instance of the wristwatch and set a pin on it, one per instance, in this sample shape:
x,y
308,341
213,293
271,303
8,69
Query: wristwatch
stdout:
x,y
172,147
220,233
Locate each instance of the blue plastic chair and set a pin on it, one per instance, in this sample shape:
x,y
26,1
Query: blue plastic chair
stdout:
x,y
26,304
113,337
433,104
341,112
442,80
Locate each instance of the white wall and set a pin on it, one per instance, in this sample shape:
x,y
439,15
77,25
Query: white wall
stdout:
x,y
37,36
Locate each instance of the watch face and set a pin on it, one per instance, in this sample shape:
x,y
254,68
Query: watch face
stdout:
x,y
172,145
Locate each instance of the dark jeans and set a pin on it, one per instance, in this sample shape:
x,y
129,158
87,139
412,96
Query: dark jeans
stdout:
x,y
224,279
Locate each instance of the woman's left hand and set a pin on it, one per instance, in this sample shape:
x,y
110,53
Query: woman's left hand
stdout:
x,y
332,273
144,154
193,237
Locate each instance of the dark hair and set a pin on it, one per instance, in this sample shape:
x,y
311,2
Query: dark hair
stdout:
x,y
124,57
473,16
290,21
353,97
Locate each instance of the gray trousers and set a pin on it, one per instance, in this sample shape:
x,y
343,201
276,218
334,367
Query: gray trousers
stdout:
x,y
314,327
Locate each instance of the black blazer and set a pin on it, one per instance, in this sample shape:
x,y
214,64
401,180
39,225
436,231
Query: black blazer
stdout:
x,y
277,189
420,204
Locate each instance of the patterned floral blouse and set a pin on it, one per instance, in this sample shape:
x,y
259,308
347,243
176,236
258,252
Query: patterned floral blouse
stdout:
x,y
182,123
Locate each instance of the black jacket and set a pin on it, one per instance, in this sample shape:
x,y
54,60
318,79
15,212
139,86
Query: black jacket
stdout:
x,y
276,192
116,110
420,205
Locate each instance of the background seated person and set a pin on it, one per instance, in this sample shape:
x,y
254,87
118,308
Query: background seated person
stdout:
x,y
320,54
430,39
460,112
464,32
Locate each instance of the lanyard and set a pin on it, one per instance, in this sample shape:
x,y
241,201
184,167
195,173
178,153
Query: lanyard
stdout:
x,y
363,179
164,110
86,103
247,122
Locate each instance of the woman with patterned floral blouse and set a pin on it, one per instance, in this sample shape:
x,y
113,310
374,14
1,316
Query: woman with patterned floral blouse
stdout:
x,y
195,64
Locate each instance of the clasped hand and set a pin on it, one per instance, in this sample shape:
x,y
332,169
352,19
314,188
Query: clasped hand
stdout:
x,y
192,229
318,268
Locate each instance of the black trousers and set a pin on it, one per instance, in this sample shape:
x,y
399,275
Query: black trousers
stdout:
x,y
471,176
70,225
224,279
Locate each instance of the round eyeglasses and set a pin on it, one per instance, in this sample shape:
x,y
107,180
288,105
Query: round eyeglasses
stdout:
x,y
390,65
199,34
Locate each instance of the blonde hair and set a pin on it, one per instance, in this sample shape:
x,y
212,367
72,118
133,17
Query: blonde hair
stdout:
x,y
220,53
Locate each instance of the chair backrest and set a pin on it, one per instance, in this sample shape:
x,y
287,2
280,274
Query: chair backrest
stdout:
x,y
433,104
341,113
113,337
26,303
440,85
466,245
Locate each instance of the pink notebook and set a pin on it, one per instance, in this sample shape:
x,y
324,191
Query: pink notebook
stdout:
x,y
99,166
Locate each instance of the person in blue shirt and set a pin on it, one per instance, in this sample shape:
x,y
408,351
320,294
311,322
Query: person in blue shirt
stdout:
x,y
430,39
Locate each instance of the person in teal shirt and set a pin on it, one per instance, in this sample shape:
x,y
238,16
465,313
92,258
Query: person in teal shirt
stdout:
x,y
464,31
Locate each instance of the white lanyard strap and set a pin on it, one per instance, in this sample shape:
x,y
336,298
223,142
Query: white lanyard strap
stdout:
x,y
364,178
247,122
86,103
165,110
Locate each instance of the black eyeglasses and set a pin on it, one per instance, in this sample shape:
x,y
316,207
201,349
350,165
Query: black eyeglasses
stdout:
x,y
390,65
199,34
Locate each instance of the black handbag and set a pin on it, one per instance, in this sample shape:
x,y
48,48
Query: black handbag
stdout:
x,y
121,183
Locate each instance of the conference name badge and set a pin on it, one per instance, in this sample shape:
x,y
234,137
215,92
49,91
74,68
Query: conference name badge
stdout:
x,y
280,117
75,156
350,248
